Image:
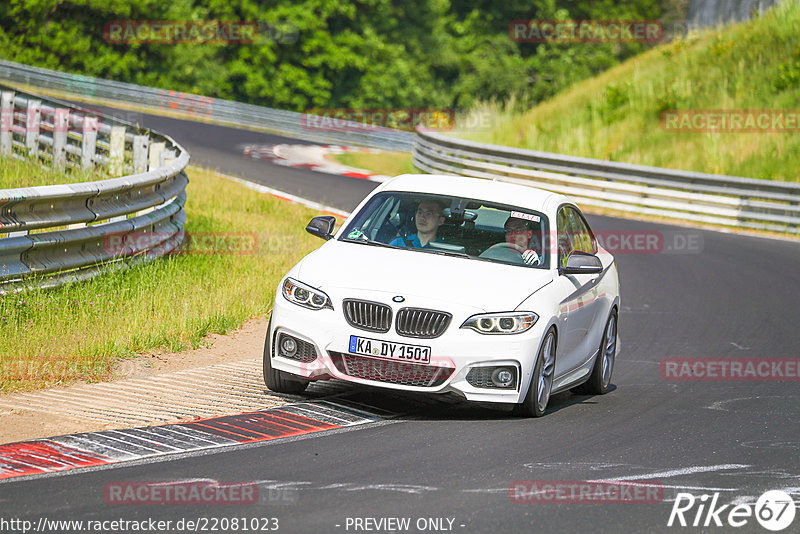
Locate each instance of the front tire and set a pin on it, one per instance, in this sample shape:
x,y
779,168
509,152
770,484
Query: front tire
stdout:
x,y
279,381
600,380
541,385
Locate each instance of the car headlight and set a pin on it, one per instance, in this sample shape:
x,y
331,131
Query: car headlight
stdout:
x,y
501,323
305,295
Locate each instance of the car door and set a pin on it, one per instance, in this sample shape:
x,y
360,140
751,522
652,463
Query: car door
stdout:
x,y
578,303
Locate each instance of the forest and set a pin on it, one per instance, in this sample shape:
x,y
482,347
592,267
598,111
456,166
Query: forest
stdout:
x,y
359,54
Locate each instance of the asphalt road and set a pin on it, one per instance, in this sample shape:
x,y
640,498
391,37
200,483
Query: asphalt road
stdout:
x,y
221,148
729,297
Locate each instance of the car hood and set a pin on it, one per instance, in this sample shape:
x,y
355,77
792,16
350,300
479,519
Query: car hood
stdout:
x,y
339,266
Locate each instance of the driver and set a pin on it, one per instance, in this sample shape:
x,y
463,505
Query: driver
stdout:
x,y
519,233
429,217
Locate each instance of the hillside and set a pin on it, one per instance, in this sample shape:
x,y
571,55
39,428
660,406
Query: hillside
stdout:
x,y
617,115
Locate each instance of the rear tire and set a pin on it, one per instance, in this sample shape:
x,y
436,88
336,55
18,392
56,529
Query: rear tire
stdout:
x,y
535,403
600,379
279,381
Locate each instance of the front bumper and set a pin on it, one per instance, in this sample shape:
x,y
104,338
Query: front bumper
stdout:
x,y
325,343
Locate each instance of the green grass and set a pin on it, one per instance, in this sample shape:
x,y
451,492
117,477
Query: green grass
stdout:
x,y
616,115
386,163
16,173
79,331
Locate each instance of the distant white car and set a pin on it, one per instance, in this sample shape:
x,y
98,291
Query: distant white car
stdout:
x,y
495,291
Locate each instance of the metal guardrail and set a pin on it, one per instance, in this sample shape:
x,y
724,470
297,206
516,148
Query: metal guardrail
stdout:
x,y
690,196
56,233
289,123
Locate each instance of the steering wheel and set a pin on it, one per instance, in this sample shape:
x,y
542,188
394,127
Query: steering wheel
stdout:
x,y
506,245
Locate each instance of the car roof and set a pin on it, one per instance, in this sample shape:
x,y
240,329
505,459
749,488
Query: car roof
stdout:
x,y
478,188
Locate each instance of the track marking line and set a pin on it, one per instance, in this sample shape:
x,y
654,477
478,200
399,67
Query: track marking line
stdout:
x,y
40,457
675,472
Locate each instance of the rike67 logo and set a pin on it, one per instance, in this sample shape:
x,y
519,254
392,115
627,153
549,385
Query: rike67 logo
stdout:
x,y
774,511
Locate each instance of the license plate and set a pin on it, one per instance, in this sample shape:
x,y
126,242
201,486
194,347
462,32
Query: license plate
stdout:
x,y
387,349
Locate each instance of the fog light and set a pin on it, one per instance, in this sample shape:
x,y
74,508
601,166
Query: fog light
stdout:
x,y
288,346
502,377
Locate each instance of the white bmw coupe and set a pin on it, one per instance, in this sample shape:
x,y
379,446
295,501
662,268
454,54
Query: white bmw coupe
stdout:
x,y
495,291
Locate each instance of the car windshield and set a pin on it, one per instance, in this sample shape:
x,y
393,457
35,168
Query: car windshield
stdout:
x,y
469,228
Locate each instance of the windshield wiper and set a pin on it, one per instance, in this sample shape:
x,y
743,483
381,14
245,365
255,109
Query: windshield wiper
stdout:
x,y
364,240
367,241
446,253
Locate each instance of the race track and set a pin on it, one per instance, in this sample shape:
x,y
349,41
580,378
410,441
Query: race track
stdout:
x,y
729,296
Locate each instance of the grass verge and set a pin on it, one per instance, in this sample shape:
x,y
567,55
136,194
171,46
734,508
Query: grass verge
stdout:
x,y
79,331
16,173
617,115
386,163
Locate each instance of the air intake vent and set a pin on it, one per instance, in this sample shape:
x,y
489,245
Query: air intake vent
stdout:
x,y
366,315
390,371
421,323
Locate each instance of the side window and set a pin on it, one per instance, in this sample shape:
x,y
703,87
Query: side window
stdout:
x,y
374,221
377,220
384,228
583,239
564,232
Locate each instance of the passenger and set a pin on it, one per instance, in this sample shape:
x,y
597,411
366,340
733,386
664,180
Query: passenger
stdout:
x,y
519,233
429,217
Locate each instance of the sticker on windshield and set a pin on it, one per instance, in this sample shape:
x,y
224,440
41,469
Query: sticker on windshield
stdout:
x,y
526,216
355,234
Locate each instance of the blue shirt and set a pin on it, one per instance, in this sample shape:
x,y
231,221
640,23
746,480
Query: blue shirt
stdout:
x,y
412,240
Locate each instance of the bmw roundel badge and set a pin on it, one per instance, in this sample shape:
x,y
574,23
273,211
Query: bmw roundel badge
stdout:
x,y
398,298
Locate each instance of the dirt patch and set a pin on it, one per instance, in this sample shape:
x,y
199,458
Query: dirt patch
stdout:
x,y
246,343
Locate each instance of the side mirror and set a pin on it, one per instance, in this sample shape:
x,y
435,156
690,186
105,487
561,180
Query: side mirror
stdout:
x,y
322,226
582,263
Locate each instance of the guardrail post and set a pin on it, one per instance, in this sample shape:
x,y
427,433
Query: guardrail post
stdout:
x,y
89,142
116,156
32,124
6,121
155,155
140,145
60,129
167,156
